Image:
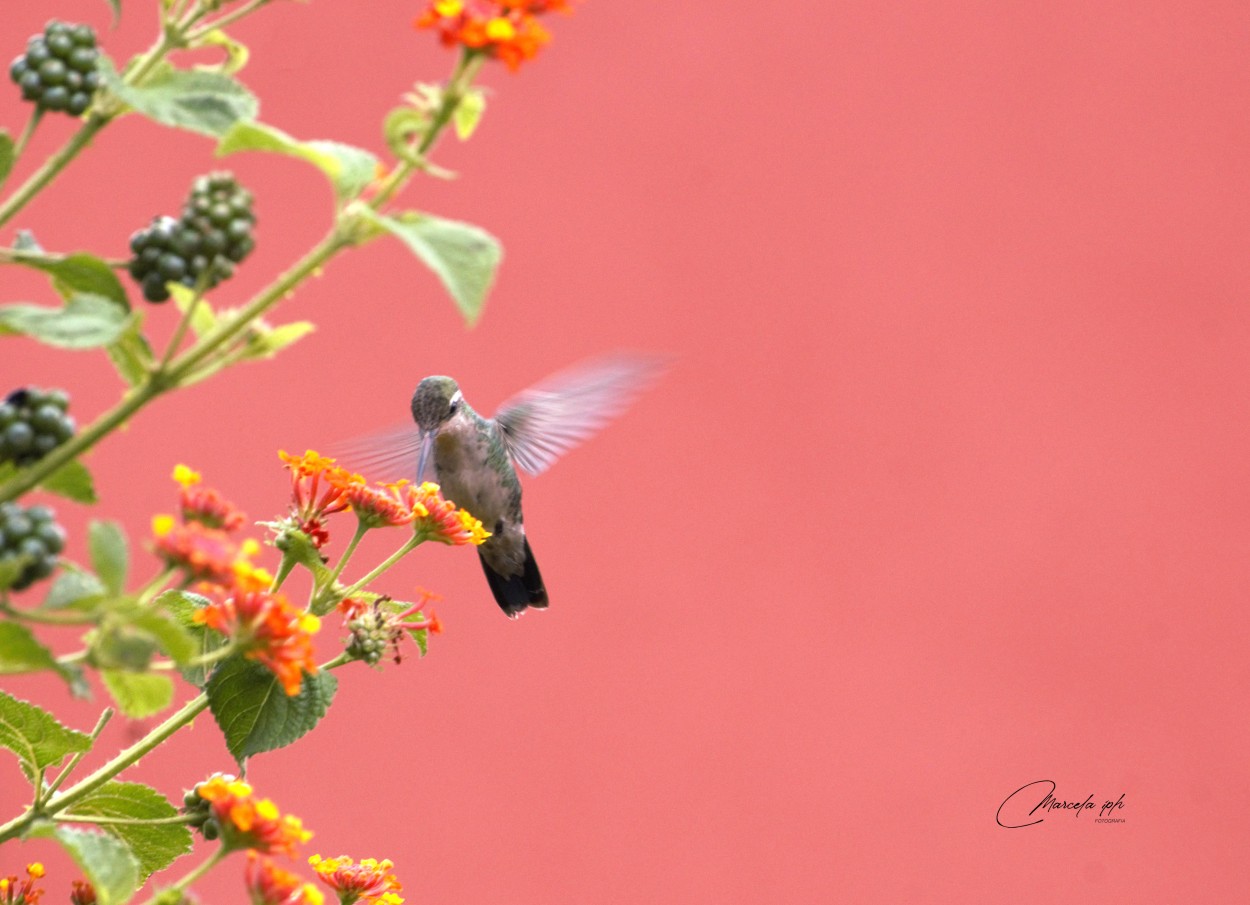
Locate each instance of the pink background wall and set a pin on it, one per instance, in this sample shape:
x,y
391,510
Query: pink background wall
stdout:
x,y
945,493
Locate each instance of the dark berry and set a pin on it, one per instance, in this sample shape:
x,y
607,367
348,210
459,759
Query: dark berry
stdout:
x,y
58,71
33,422
33,536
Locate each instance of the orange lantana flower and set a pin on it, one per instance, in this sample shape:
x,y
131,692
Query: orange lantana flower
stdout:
x,y
506,30
22,892
269,884
440,520
248,822
269,630
317,490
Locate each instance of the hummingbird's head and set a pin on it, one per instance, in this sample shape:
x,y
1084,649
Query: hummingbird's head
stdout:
x,y
435,400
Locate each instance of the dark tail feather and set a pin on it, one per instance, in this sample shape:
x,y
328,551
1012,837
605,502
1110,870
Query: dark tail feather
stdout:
x,y
514,593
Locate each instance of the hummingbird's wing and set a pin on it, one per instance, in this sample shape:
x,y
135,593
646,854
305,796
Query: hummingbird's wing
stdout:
x,y
388,455
542,423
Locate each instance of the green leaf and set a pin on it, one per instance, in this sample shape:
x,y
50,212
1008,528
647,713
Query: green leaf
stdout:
x,y
82,274
20,652
180,605
469,113
464,257
73,587
11,568
138,695
7,157
110,554
203,320
266,342
205,102
35,736
108,863
72,481
130,353
236,52
349,169
169,633
155,847
121,647
85,322
25,241
256,715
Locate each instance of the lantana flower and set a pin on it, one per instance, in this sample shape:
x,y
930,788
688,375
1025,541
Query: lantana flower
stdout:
x,y
248,822
369,880
381,505
382,625
317,490
22,892
204,504
269,884
506,30
440,520
82,893
269,630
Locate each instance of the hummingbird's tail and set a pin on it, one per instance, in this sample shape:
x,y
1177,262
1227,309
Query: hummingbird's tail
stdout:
x,y
514,593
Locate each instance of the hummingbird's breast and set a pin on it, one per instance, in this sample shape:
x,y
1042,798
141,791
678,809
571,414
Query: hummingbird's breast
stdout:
x,y
475,473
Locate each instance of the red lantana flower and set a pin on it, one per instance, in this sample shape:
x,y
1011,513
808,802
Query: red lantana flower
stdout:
x,y
317,490
440,520
249,822
369,880
506,30
269,884
22,892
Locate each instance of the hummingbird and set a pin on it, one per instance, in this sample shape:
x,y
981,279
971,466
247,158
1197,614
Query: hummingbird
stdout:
x,y
475,459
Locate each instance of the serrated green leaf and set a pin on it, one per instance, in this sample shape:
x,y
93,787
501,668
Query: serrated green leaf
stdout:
x,y
256,715
266,342
7,156
85,322
203,319
349,169
469,113
73,587
205,102
107,862
72,481
138,695
121,647
130,353
21,652
236,52
155,847
110,554
82,274
464,257
35,736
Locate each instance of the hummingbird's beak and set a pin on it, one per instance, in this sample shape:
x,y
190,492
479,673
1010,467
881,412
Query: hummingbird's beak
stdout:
x,y
427,444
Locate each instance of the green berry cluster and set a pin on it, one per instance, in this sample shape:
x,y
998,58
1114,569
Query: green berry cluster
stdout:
x,y
371,636
33,422
213,234
200,813
32,534
58,70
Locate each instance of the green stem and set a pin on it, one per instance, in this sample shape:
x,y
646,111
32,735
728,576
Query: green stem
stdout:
x,y
18,256
52,166
203,660
181,330
192,875
31,124
361,528
156,586
45,618
409,545
79,755
229,19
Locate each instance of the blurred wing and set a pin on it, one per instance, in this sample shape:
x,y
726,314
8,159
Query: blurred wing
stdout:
x,y
544,422
385,456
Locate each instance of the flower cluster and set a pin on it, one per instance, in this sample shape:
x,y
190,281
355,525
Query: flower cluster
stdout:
x,y
382,625
22,892
317,490
245,821
369,880
269,630
506,30
200,543
269,884
82,893
440,520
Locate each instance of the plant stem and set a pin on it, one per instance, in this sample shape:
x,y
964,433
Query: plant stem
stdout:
x,y
229,19
181,330
409,545
52,166
361,528
31,124
18,256
192,875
